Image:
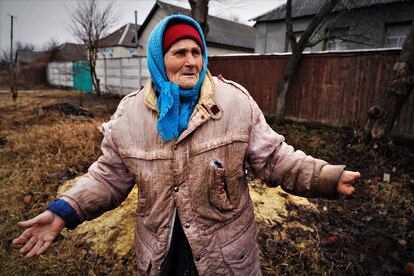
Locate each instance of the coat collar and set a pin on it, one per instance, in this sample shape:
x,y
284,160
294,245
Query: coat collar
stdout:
x,y
206,101
206,107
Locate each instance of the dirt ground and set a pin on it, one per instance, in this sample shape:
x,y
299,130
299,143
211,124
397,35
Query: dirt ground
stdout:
x,y
43,145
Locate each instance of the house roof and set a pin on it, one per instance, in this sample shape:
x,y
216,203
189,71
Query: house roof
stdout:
x,y
221,31
70,52
124,36
64,52
29,56
303,8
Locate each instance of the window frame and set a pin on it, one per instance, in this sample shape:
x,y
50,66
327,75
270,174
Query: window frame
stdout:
x,y
395,24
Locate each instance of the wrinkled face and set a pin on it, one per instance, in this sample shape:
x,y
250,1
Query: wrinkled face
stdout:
x,y
183,63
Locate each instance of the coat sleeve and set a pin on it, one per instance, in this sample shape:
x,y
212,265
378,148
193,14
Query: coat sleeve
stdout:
x,y
277,163
107,183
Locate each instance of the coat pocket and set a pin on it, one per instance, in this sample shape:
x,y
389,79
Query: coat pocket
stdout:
x,y
223,193
143,256
149,167
241,253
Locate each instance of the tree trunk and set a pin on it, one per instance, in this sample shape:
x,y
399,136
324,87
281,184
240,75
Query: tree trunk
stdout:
x,y
297,50
199,12
382,115
95,79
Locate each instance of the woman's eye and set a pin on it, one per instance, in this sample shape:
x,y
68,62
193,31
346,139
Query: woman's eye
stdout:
x,y
180,53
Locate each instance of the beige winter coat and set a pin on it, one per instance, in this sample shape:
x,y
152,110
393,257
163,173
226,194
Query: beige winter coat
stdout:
x,y
227,128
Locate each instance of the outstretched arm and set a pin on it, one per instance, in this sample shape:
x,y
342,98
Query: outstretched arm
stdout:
x,y
105,186
278,163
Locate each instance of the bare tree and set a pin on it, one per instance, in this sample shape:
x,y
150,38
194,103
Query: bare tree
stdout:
x,y
297,50
199,11
19,46
52,46
382,115
8,59
25,46
90,23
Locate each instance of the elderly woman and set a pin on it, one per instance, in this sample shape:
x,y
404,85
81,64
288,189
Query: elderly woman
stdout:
x,y
184,140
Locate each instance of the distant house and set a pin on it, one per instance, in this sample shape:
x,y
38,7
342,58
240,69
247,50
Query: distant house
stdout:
x,y
69,52
224,36
120,44
361,24
27,57
64,52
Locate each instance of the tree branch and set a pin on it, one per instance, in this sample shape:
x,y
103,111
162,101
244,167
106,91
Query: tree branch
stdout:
x,y
324,13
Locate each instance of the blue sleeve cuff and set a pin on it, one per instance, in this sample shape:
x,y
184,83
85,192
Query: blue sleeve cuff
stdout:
x,y
66,212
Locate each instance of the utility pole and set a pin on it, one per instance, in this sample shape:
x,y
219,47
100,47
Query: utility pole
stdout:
x,y
136,32
12,67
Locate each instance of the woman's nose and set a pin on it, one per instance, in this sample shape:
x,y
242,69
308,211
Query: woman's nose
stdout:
x,y
190,60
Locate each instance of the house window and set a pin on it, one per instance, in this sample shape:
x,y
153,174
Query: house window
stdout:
x,y
396,34
133,52
334,39
107,52
335,44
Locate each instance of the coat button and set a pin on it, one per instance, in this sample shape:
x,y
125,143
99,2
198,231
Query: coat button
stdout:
x,y
197,258
187,225
175,147
176,189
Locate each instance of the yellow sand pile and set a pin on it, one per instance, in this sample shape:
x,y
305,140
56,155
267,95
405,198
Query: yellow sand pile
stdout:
x,y
113,232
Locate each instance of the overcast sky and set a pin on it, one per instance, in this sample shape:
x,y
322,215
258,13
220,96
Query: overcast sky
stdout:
x,y
39,21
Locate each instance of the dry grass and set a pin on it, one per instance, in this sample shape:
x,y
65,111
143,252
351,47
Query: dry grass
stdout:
x,y
39,150
373,231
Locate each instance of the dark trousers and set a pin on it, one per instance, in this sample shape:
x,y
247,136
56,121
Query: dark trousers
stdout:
x,y
179,260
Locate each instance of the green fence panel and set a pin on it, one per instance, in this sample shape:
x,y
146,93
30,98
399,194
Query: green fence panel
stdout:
x,y
82,80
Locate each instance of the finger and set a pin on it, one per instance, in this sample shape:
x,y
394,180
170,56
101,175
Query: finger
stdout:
x,y
33,252
28,223
356,175
350,176
43,218
28,245
346,189
43,248
23,236
350,190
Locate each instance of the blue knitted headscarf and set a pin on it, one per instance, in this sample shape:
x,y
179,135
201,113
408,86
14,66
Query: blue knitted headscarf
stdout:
x,y
175,105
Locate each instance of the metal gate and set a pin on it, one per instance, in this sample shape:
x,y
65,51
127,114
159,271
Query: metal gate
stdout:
x,y
82,80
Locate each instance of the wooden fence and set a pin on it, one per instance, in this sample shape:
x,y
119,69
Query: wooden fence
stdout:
x,y
334,89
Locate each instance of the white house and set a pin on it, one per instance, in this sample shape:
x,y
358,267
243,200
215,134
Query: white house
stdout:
x,y
121,43
361,24
224,36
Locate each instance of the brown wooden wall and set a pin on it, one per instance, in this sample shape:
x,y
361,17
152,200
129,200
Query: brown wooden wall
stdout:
x,y
331,88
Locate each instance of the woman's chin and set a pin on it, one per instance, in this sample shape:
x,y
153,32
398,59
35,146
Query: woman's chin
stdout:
x,y
188,84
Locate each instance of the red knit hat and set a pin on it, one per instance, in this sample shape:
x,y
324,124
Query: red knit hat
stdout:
x,y
175,32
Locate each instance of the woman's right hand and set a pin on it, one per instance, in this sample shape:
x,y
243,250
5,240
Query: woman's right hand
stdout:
x,y
40,232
